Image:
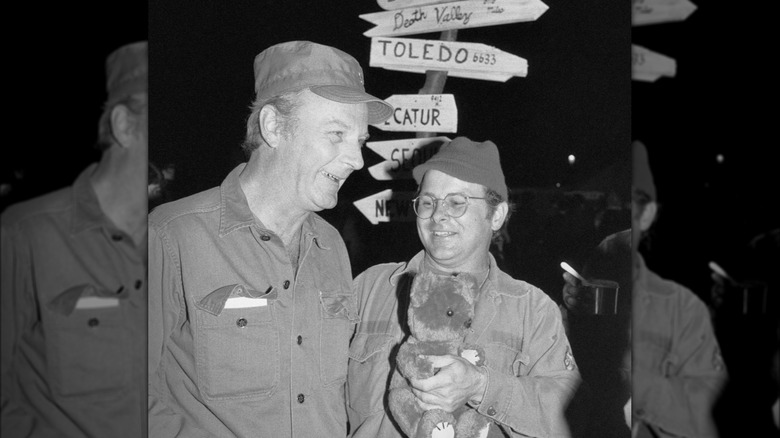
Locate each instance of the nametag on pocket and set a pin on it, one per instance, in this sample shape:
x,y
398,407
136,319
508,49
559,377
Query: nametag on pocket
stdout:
x,y
244,302
97,302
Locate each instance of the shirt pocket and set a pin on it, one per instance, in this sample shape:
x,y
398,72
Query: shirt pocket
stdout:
x,y
89,353
236,349
506,359
369,372
338,315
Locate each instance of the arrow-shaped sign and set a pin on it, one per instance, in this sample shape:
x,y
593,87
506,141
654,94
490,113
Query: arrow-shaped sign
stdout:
x,y
401,156
466,60
648,66
660,11
453,15
391,5
387,206
421,113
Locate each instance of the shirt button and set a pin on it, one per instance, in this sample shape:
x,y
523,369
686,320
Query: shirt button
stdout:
x,y
93,322
286,284
138,284
241,322
300,339
265,238
116,237
491,411
300,398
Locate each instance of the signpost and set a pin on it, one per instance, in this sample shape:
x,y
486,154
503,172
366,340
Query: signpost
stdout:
x,y
387,206
466,60
660,11
401,156
422,113
648,66
452,15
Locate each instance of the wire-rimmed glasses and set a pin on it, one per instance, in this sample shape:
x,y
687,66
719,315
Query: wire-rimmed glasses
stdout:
x,y
455,205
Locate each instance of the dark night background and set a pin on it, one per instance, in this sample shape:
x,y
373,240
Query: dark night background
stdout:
x,y
55,76
575,100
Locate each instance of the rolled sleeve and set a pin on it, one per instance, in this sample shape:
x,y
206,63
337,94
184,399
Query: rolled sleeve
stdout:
x,y
533,403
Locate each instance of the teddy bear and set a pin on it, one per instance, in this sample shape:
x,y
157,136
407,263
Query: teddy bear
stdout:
x,y
441,309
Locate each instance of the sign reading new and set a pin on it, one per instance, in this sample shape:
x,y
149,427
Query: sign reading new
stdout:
x,y
453,15
465,60
387,206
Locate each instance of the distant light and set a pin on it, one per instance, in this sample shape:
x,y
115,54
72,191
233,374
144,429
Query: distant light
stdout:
x,y
571,159
719,158
557,184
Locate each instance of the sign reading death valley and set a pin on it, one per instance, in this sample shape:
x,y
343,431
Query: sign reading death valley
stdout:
x,y
649,66
465,60
401,156
660,11
453,15
421,113
387,206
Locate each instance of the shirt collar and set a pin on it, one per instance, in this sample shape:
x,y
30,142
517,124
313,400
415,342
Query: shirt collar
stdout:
x,y
235,212
418,261
86,207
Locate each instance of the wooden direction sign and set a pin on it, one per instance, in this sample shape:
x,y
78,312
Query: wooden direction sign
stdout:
x,y
387,206
465,60
648,66
421,113
660,11
452,15
401,156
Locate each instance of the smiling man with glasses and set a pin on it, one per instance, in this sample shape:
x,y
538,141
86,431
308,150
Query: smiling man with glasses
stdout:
x,y
530,373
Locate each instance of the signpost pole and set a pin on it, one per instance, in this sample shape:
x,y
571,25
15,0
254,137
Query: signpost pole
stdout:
x,y
435,79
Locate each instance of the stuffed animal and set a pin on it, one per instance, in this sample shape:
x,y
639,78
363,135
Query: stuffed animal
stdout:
x,y
440,313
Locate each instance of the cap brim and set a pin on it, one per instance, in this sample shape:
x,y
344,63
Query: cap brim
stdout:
x,y
378,109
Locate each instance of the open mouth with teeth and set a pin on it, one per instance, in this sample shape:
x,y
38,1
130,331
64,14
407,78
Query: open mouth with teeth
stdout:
x,y
443,233
330,176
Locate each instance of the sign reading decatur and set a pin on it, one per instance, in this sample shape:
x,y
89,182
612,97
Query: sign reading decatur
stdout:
x,y
421,113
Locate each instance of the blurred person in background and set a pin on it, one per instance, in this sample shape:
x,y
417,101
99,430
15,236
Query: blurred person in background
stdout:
x,y
73,297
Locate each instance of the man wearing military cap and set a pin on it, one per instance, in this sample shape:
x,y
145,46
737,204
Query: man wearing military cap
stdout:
x,y
251,308
74,283
530,373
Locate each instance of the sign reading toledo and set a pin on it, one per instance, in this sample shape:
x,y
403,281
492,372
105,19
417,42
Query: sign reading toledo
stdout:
x,y
466,60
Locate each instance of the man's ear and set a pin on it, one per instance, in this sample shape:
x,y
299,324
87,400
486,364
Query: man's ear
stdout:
x,y
499,216
270,123
648,216
122,125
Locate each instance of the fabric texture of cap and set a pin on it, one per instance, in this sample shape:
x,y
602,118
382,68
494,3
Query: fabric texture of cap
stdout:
x,y
643,177
326,71
126,71
468,161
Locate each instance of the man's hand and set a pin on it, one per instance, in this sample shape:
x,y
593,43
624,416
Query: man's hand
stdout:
x,y
457,382
575,296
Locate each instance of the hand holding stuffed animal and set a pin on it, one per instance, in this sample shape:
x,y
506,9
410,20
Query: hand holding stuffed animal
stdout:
x,y
440,314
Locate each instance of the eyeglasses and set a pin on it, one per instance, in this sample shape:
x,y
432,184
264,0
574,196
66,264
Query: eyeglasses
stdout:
x,y
455,205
